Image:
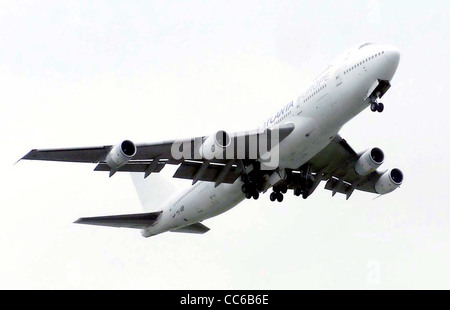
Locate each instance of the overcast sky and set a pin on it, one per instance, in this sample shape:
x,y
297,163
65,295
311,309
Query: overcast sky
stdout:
x,y
86,73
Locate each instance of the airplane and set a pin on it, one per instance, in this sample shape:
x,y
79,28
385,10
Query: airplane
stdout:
x,y
295,149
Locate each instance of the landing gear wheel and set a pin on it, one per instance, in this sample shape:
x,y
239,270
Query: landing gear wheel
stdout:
x,y
248,195
259,186
273,196
297,192
374,106
280,197
304,195
255,195
284,188
380,107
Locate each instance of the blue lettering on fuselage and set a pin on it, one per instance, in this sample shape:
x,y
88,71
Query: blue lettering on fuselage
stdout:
x,y
321,80
279,114
317,84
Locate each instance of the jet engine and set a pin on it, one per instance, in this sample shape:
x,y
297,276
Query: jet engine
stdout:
x,y
120,154
369,161
389,181
214,146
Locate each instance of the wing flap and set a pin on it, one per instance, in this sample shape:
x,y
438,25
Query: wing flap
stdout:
x,y
131,167
338,186
142,220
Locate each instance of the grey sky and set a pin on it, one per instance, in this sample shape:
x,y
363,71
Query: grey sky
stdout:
x,y
81,73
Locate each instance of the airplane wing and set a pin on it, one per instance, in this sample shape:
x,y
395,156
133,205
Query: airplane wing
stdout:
x,y
336,165
152,157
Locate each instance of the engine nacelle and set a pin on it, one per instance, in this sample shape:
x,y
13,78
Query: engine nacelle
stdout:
x,y
120,154
369,161
214,146
389,181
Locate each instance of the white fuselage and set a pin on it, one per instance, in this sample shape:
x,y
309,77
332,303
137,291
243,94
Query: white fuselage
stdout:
x,y
338,94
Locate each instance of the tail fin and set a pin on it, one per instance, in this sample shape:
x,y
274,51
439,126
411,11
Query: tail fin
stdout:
x,y
153,191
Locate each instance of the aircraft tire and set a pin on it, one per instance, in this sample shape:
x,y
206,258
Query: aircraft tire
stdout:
x,y
374,107
380,107
280,197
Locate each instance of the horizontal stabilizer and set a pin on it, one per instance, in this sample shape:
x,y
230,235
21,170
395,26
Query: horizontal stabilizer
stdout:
x,y
141,220
197,228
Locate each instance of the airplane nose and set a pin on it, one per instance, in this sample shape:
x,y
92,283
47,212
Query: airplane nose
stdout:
x,y
391,60
393,56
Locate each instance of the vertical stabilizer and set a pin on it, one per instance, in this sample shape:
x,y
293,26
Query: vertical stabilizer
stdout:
x,y
153,191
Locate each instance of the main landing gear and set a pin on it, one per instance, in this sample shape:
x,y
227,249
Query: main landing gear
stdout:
x,y
250,190
252,186
278,192
301,182
299,191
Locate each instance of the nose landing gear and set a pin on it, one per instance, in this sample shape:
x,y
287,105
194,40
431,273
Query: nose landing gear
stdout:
x,y
376,106
378,90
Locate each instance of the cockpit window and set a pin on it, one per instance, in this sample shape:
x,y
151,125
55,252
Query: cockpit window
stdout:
x,y
365,44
